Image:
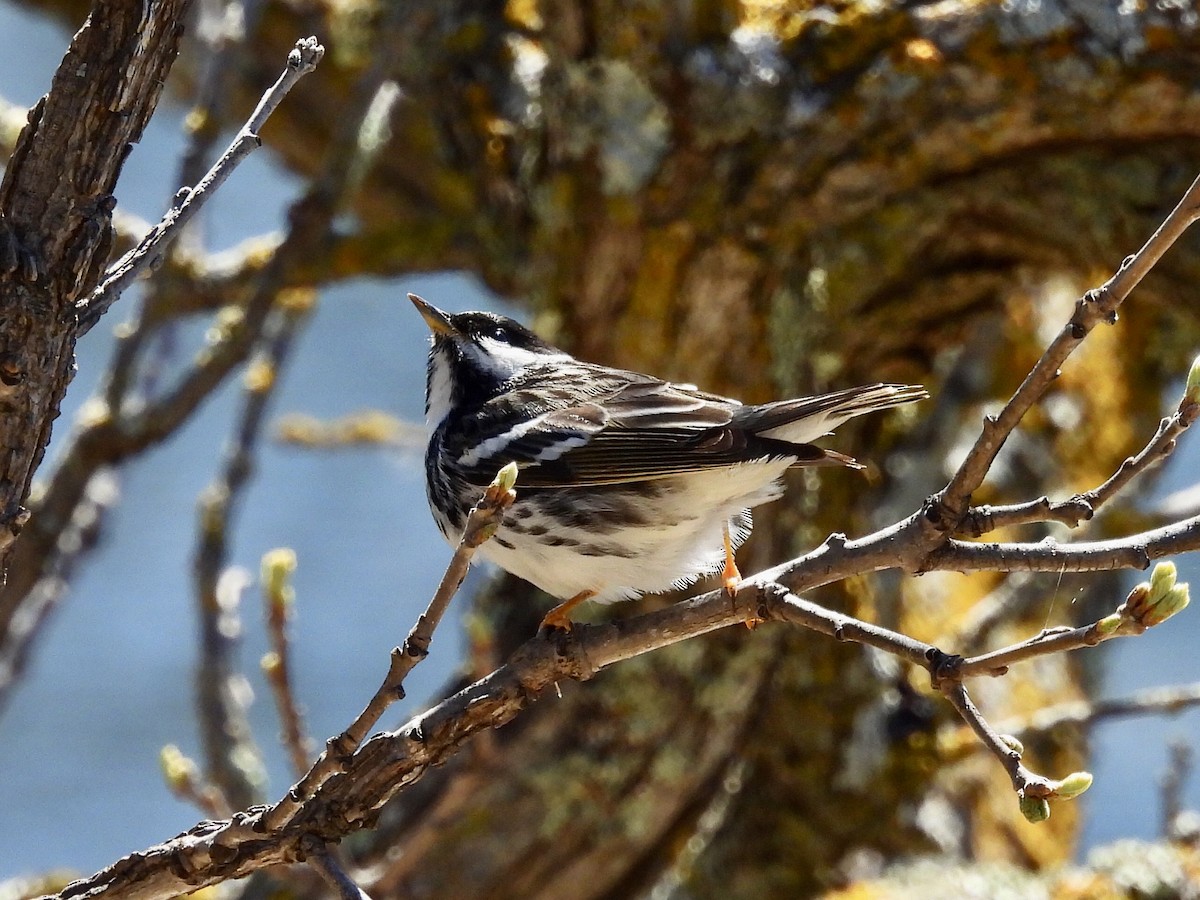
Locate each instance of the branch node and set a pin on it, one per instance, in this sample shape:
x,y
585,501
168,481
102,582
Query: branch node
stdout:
x,y
836,541
943,667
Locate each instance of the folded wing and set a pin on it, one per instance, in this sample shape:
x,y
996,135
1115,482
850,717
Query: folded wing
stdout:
x,y
641,429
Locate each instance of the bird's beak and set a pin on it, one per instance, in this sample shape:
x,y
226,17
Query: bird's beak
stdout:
x,y
438,321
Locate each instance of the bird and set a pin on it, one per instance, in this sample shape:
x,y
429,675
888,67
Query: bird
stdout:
x,y
627,484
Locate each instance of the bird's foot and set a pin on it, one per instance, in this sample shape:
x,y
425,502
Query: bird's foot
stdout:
x,y
559,617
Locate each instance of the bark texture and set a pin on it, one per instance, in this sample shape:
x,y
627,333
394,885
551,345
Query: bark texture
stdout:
x,y
56,204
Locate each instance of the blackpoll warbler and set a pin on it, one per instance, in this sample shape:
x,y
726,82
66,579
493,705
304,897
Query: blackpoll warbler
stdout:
x,y
628,484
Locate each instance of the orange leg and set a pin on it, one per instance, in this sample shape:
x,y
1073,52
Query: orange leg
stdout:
x,y
731,577
559,616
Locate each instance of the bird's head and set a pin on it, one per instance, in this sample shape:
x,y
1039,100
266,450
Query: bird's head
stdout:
x,y
474,354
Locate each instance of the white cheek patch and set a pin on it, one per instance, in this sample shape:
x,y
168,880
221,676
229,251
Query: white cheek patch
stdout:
x,y
504,360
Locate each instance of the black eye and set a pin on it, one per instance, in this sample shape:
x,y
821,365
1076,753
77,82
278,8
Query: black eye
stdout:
x,y
500,333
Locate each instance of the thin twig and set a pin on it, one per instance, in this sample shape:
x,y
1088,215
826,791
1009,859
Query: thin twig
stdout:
x,y
482,523
278,598
790,608
1086,713
149,253
981,520
74,538
1096,306
233,762
317,855
221,27
1136,551
1024,781
1049,641
1179,768
221,712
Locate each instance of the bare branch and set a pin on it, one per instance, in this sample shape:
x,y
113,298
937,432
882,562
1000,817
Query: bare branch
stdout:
x,y
332,873
279,597
983,519
1096,306
1172,785
149,253
358,784
1134,552
482,522
76,535
1085,713
228,740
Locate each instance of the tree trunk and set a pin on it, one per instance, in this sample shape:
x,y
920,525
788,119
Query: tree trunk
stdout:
x,y
56,206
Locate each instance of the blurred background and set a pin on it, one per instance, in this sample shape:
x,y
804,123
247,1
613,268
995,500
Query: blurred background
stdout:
x,y
670,191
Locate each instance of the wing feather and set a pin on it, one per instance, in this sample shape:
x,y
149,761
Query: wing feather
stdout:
x,y
622,427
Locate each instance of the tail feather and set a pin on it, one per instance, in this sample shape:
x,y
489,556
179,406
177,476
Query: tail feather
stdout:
x,y
805,419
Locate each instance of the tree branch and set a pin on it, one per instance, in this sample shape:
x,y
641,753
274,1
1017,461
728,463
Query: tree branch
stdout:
x,y
482,522
151,250
347,792
1096,306
279,597
981,520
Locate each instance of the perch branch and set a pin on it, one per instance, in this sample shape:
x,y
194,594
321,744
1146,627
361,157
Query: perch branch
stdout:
x,y
359,784
482,522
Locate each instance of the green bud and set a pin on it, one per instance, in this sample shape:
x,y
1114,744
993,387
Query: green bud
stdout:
x,y
270,663
1035,809
1073,785
1162,579
1191,391
178,771
506,478
1013,744
1175,600
1109,625
277,568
